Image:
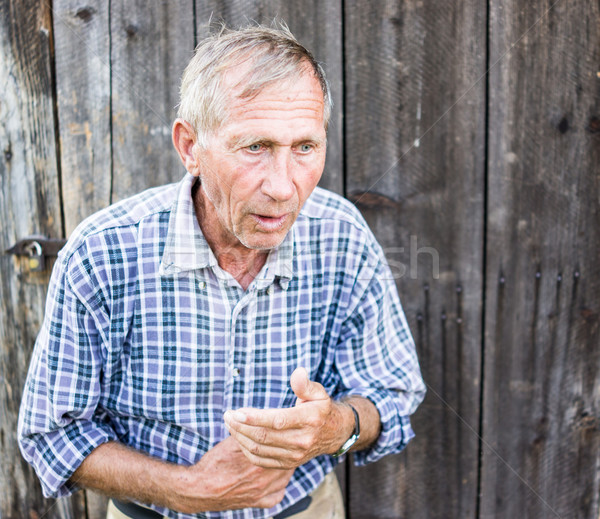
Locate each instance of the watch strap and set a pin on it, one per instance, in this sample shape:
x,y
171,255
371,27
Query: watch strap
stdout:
x,y
353,437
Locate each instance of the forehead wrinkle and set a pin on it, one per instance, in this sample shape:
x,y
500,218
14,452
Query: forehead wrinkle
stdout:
x,y
308,105
306,116
280,99
295,103
277,97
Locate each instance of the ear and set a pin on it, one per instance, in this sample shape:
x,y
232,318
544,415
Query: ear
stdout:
x,y
184,140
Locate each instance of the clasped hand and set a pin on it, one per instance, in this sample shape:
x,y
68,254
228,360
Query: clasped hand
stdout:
x,y
288,438
252,467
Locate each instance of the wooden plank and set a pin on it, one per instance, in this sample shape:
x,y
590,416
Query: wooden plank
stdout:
x,y
95,505
542,361
151,44
29,203
415,167
82,50
317,24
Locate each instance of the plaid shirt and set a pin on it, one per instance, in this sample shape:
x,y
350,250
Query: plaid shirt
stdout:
x,y
148,342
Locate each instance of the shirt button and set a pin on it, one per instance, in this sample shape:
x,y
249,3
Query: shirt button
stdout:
x,y
236,372
201,285
270,290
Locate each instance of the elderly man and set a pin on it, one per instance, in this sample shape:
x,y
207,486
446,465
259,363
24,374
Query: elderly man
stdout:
x,y
212,348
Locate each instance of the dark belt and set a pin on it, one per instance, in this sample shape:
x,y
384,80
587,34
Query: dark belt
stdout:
x,y
296,508
134,511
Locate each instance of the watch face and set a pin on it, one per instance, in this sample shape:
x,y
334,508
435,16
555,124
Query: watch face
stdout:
x,y
347,445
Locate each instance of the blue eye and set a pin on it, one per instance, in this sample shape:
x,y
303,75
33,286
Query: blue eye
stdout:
x,y
254,147
305,148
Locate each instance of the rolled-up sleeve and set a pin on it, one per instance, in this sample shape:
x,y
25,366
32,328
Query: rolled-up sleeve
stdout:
x,y
376,359
58,420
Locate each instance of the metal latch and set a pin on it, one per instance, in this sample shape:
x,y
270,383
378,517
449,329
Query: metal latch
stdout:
x,y
37,248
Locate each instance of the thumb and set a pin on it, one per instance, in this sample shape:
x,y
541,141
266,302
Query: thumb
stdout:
x,y
305,389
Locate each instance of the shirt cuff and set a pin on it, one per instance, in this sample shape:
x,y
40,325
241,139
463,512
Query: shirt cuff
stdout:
x,y
57,454
396,430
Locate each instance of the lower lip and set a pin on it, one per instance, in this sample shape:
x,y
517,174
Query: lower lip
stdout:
x,y
270,224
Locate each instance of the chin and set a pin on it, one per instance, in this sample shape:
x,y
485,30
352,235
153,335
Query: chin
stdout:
x,y
263,243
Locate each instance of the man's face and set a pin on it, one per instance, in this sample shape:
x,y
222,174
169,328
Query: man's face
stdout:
x,y
262,164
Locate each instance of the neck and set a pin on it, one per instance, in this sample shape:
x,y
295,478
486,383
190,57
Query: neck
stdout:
x,y
242,263
243,269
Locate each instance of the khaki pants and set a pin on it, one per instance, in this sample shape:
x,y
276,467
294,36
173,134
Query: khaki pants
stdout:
x,y
327,503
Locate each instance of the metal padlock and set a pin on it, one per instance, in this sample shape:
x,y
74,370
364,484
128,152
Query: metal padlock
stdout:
x,y
36,256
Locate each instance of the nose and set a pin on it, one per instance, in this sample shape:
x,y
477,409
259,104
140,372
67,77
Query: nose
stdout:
x,y
278,183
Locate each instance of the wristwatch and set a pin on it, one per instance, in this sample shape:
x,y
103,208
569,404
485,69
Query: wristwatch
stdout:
x,y
353,438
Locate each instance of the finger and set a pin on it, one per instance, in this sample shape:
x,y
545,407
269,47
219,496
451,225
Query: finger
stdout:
x,y
269,501
258,435
276,419
290,436
267,462
305,389
271,456
275,449
294,439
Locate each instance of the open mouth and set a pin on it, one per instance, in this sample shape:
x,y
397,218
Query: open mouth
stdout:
x,y
271,223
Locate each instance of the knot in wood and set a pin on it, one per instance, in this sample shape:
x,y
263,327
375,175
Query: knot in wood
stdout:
x,y
85,13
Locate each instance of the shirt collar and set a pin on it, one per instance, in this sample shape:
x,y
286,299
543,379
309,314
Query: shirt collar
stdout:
x,y
186,248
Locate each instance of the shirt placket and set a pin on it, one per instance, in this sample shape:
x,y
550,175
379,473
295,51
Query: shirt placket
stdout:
x,y
240,346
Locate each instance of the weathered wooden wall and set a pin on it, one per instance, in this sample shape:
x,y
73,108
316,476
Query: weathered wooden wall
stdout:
x,y
541,378
30,202
468,133
419,180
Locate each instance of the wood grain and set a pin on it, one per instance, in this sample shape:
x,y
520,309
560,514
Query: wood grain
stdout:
x,y
82,62
415,167
29,204
151,42
542,362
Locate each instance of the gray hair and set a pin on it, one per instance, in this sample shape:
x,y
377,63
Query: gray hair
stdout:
x,y
274,55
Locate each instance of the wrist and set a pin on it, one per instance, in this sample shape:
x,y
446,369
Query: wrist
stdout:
x,y
349,429
184,482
